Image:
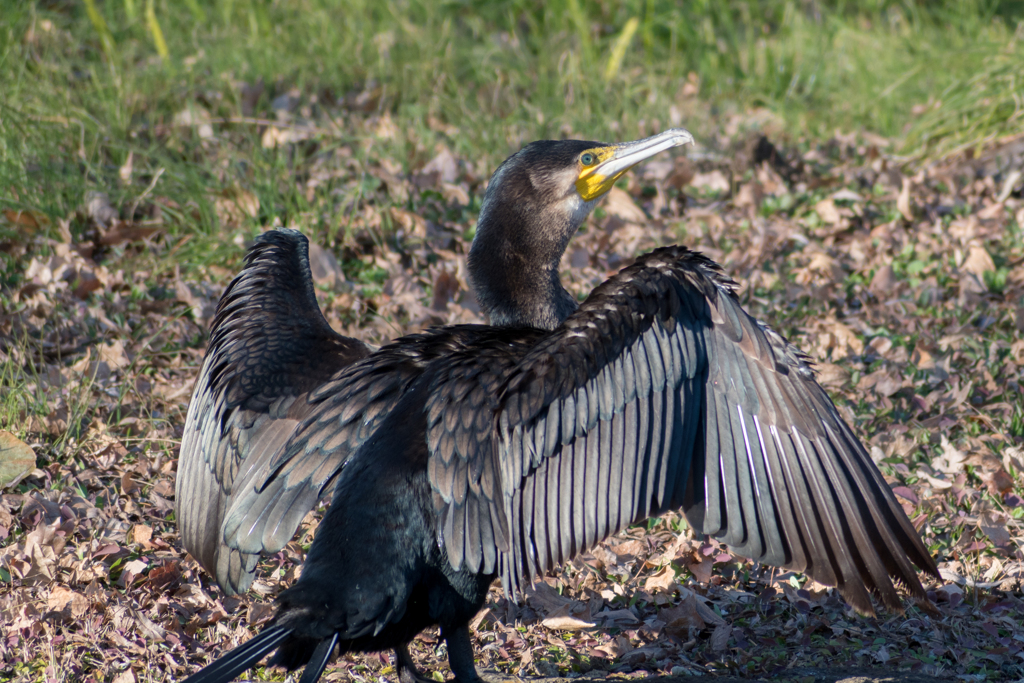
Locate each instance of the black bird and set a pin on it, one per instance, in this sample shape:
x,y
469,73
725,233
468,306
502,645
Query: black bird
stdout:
x,y
472,452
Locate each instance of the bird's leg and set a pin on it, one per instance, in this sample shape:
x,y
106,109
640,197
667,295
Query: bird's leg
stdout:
x,y
460,655
406,668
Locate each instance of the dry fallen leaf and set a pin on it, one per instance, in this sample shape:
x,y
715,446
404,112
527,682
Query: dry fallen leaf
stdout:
x,y
1013,457
98,208
444,167
846,339
385,128
720,637
663,580
126,676
562,619
616,648
994,526
701,569
682,617
951,461
129,486
234,204
978,262
831,375
17,459
883,283
827,211
123,231
62,598
546,598
622,206
413,224
26,220
125,172
749,195
903,201
324,267
141,534
715,181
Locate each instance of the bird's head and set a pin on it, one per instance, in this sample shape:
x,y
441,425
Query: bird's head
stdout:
x,y
565,177
535,202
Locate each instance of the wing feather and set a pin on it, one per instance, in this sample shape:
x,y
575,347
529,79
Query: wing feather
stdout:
x,y
270,347
566,484
661,392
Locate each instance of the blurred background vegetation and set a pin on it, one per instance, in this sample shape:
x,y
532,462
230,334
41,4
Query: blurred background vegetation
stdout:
x,y
86,83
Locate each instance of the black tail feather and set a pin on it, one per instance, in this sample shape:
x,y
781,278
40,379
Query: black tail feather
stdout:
x,y
241,658
318,662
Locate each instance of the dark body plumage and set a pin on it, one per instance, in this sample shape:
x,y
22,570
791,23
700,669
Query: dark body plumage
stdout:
x,y
470,452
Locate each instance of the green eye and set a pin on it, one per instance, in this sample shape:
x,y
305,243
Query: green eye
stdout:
x,y
587,159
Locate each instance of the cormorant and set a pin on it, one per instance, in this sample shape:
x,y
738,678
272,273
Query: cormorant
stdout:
x,y
471,452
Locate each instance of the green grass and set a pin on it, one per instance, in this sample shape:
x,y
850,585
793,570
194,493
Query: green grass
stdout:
x,y
83,92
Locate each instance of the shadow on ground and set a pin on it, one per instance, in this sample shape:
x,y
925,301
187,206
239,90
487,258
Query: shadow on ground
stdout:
x,y
803,675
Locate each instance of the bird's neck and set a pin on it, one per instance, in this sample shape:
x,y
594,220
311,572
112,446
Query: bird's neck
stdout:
x,y
513,269
529,296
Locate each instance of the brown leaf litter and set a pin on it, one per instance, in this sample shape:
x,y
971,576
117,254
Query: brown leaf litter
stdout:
x,y
905,286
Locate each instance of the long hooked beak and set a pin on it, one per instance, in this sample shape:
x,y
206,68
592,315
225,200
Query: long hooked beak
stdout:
x,y
611,161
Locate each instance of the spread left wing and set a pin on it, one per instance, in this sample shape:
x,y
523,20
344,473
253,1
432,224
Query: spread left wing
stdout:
x,y
661,392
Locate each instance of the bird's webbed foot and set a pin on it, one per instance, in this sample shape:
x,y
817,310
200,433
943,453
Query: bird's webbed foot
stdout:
x,y
406,668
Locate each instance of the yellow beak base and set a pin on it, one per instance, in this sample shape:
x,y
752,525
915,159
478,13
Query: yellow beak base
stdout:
x,y
614,160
